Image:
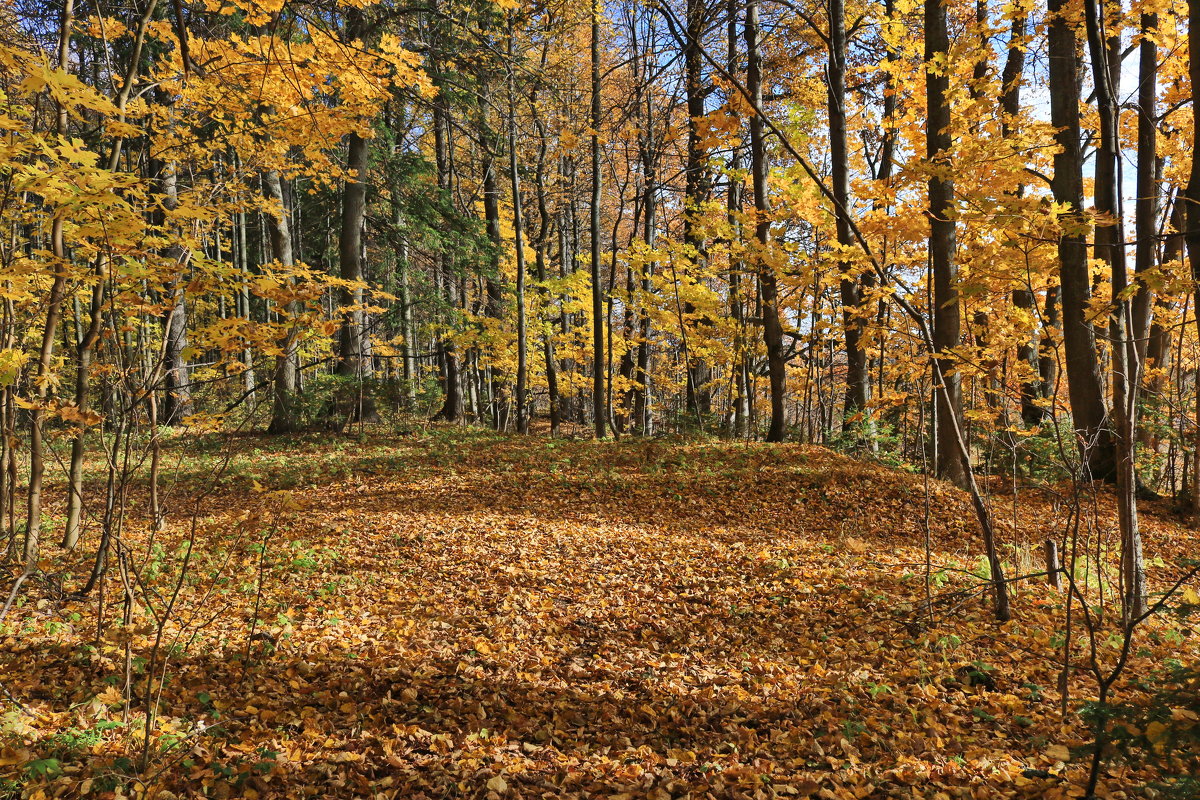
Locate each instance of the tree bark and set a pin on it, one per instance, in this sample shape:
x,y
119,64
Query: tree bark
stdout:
x,y
1191,198
518,242
1084,386
452,404
598,388
772,326
855,408
284,413
41,382
354,365
947,321
697,184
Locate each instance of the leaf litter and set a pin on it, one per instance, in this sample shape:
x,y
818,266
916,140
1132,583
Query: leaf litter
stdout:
x,y
458,614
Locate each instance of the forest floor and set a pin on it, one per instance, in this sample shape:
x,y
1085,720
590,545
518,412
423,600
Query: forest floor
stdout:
x,y
453,613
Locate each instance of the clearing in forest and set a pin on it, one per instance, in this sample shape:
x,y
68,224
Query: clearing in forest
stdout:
x,y
461,614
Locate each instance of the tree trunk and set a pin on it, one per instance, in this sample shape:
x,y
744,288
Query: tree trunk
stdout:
x,y
177,385
855,408
83,370
41,382
493,282
284,413
544,231
452,404
947,321
598,392
734,206
518,242
696,190
772,326
355,402
1191,197
1084,386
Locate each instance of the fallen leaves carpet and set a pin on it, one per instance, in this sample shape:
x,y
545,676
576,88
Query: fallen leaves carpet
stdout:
x,y
459,614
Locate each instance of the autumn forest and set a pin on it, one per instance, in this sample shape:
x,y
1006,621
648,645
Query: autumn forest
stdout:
x,y
599,398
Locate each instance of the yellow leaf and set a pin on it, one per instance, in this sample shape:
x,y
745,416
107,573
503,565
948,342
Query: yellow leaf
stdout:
x,y
498,784
1058,752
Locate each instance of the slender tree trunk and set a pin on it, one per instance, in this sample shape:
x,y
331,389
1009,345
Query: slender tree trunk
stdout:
x,y
452,404
641,390
493,283
734,207
544,231
1032,390
249,381
696,190
1147,208
284,414
856,404
83,368
408,330
1191,198
518,242
772,326
598,389
177,388
1157,360
947,323
1084,385
353,366
41,382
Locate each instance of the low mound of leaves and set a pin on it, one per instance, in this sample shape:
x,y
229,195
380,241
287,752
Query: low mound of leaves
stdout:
x,y
459,614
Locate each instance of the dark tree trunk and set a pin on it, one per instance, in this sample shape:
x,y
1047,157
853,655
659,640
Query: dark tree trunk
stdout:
x,y
354,365
518,244
598,392
855,414
737,300
1147,208
452,404
772,326
1084,386
1191,198
696,190
493,282
947,323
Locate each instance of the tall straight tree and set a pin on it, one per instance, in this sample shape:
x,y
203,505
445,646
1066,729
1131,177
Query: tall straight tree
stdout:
x,y
855,412
354,363
598,393
1192,198
947,322
733,203
355,402
1147,208
1124,329
768,289
444,274
541,244
284,411
696,185
54,304
518,239
1084,386
1033,389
